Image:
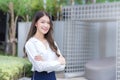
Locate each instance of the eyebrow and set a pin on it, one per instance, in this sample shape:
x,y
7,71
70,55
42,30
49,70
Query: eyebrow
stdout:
x,y
45,20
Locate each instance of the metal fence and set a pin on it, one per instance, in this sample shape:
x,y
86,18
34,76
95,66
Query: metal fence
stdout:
x,y
79,34
79,44
105,11
118,52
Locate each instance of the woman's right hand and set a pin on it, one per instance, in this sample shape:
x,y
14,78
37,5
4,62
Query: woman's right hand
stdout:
x,y
61,59
38,58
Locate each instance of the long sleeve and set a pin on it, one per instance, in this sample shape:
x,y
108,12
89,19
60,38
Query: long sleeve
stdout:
x,y
61,68
40,65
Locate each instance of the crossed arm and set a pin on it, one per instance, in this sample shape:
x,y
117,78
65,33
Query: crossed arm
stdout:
x,y
61,59
40,64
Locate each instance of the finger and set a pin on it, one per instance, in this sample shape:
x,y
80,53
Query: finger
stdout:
x,y
37,58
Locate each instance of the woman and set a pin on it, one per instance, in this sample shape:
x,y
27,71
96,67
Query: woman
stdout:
x,y
42,50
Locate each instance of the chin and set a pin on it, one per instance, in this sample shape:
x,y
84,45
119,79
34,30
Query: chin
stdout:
x,y
45,32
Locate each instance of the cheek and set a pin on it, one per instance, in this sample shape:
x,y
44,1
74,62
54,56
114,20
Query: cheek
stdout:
x,y
49,27
38,24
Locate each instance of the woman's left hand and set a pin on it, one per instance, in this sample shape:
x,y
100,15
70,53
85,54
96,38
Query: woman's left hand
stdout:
x,y
61,59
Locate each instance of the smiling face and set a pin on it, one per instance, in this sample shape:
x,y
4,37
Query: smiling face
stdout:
x,y
43,25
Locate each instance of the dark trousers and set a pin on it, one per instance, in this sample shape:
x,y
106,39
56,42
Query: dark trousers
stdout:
x,y
43,76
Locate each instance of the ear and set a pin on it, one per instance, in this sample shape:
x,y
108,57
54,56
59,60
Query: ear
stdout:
x,y
36,24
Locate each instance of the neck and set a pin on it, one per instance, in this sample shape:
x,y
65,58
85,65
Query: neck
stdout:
x,y
39,36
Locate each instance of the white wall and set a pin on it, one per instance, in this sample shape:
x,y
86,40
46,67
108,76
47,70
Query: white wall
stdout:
x,y
23,28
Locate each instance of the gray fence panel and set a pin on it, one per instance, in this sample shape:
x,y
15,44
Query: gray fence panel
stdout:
x,y
79,46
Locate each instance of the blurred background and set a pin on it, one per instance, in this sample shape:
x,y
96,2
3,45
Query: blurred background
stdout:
x,y
86,31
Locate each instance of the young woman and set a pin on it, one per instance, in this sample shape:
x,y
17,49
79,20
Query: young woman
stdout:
x,y
42,50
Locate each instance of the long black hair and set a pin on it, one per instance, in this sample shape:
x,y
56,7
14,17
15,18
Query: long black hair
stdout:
x,y
48,36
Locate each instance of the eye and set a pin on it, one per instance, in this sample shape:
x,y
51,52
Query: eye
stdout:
x,y
42,21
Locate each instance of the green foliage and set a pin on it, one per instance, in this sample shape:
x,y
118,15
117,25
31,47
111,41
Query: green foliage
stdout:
x,y
4,5
21,7
36,5
100,1
1,52
29,7
13,67
78,1
51,7
64,2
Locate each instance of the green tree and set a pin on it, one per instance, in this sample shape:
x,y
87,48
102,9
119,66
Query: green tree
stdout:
x,y
52,8
36,5
15,8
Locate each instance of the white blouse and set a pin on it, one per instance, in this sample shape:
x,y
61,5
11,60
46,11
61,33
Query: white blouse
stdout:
x,y
35,47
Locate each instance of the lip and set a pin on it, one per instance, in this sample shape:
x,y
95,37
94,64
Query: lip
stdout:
x,y
45,29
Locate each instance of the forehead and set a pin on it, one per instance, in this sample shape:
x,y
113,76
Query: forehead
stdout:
x,y
45,18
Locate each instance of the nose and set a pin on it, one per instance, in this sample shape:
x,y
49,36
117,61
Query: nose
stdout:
x,y
46,24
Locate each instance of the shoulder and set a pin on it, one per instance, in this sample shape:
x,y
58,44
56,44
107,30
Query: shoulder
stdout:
x,y
31,41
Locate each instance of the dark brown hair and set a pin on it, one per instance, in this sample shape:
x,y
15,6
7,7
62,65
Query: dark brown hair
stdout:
x,y
48,36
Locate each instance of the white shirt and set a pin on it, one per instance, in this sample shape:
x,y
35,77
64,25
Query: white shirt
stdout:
x,y
35,47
